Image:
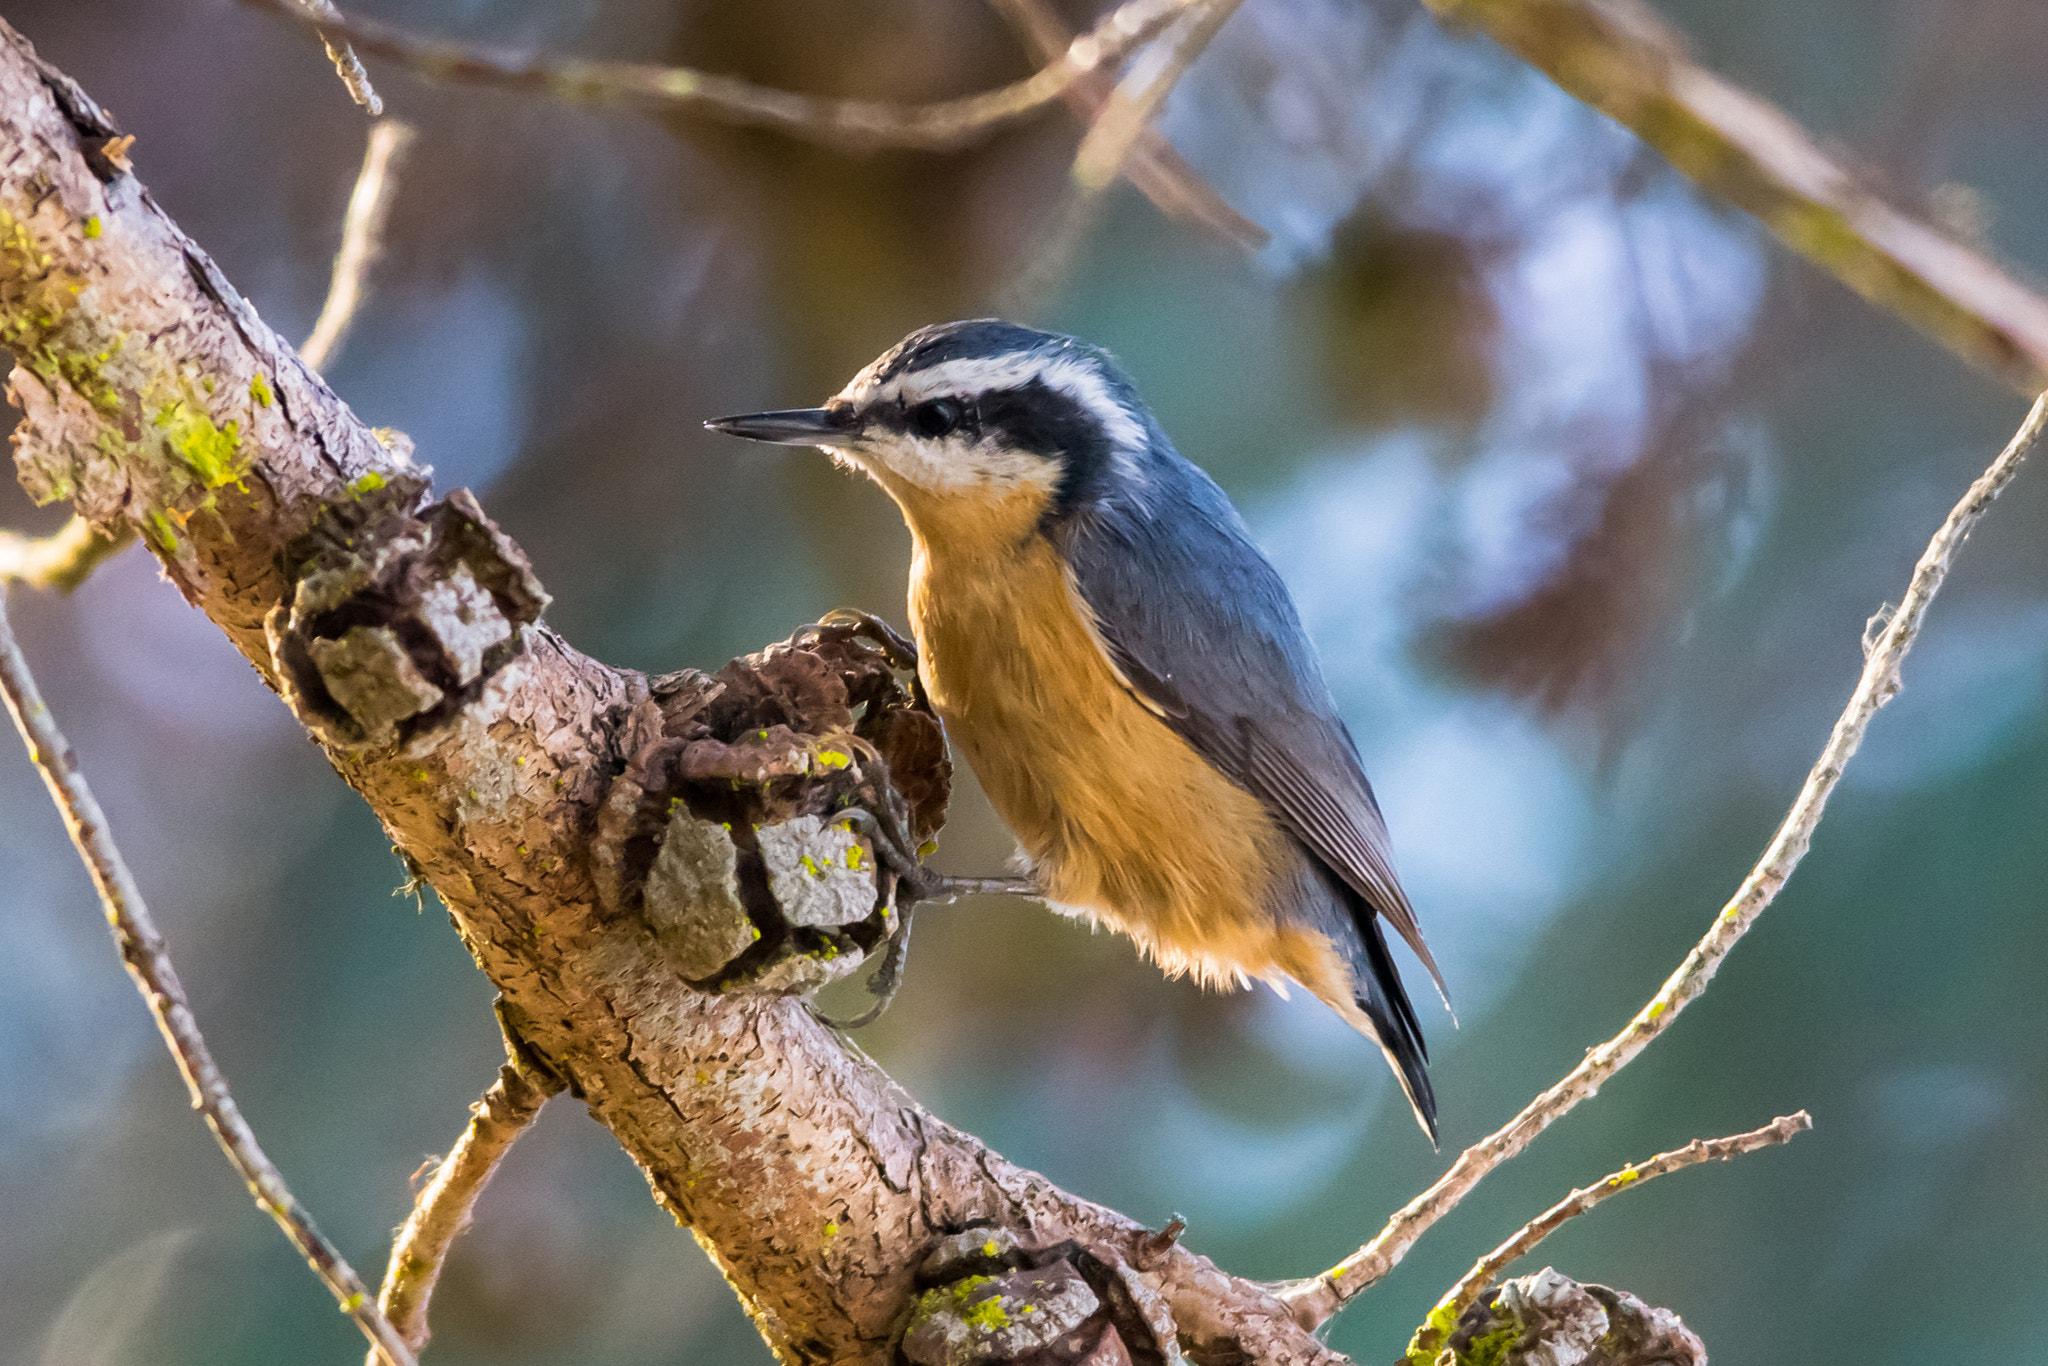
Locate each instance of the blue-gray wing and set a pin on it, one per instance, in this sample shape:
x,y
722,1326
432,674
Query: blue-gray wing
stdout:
x,y
1207,634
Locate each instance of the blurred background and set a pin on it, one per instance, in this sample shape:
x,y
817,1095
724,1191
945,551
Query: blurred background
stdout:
x,y
1585,487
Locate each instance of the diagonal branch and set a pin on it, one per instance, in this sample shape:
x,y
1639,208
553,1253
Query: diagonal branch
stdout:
x,y
1443,1319
447,1202
347,65
1120,124
362,239
1619,57
1130,108
1315,1300
149,962
60,560
64,558
155,395
1159,172
940,126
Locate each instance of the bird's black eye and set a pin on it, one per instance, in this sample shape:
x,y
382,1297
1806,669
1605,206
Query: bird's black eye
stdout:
x,y
936,417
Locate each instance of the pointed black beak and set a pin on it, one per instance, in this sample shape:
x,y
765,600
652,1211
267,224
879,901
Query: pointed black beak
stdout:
x,y
791,427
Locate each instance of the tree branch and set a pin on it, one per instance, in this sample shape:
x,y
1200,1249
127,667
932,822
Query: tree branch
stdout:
x,y
362,239
62,560
1159,172
149,963
818,1185
1315,1300
347,65
1444,1319
1619,57
447,1202
1120,123
940,126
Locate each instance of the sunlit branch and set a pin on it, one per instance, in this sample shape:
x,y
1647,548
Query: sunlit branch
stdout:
x,y
1620,58
1158,172
1131,107
1120,122
60,560
143,950
347,65
63,559
448,1200
1443,1320
362,239
940,125
1314,1300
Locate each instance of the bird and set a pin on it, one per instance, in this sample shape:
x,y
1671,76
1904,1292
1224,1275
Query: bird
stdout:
x,y
1126,672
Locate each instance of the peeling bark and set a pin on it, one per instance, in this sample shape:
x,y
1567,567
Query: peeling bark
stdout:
x,y
533,786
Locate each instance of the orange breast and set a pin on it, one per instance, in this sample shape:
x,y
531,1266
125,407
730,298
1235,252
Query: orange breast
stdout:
x,y
1123,820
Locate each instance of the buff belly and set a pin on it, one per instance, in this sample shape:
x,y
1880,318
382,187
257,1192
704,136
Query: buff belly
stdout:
x,y
1123,821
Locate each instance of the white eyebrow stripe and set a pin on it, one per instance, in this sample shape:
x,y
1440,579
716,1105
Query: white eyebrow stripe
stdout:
x,y
1071,376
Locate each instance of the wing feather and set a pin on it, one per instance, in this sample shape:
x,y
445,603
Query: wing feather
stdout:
x,y
1206,635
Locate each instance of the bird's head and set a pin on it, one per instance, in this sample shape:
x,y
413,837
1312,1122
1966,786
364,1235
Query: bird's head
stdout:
x,y
975,414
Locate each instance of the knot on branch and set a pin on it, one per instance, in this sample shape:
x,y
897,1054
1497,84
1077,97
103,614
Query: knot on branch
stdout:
x,y
1551,1320
989,1299
744,819
401,616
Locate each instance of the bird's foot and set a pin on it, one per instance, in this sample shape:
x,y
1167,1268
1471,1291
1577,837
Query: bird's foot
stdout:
x,y
914,883
847,623
887,978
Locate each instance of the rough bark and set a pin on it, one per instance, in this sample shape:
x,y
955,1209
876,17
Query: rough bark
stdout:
x,y
1549,1320
405,634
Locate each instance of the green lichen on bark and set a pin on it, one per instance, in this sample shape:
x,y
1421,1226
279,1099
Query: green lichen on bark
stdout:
x,y
127,433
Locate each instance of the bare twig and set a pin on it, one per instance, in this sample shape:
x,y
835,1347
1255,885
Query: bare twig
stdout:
x,y
143,950
1619,57
1123,118
1130,108
362,238
445,1204
347,65
60,560
1159,172
1443,1319
1314,1300
941,125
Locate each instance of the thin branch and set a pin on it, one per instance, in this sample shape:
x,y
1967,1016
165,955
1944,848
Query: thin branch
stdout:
x,y
448,1200
148,960
347,65
1443,1320
940,126
1316,1299
60,560
1159,172
1098,162
1619,57
362,239
1136,100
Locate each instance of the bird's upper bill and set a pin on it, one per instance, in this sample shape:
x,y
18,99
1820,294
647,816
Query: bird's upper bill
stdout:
x,y
790,427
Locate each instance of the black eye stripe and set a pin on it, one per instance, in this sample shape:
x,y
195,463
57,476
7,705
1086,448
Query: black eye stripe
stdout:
x,y
1034,417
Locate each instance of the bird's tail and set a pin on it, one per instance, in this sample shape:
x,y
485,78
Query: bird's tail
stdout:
x,y
1399,1034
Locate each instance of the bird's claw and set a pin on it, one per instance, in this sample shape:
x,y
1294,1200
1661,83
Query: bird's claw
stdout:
x,y
889,839
887,978
847,623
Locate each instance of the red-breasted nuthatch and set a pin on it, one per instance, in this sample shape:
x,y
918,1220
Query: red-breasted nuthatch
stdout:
x,y
1125,671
